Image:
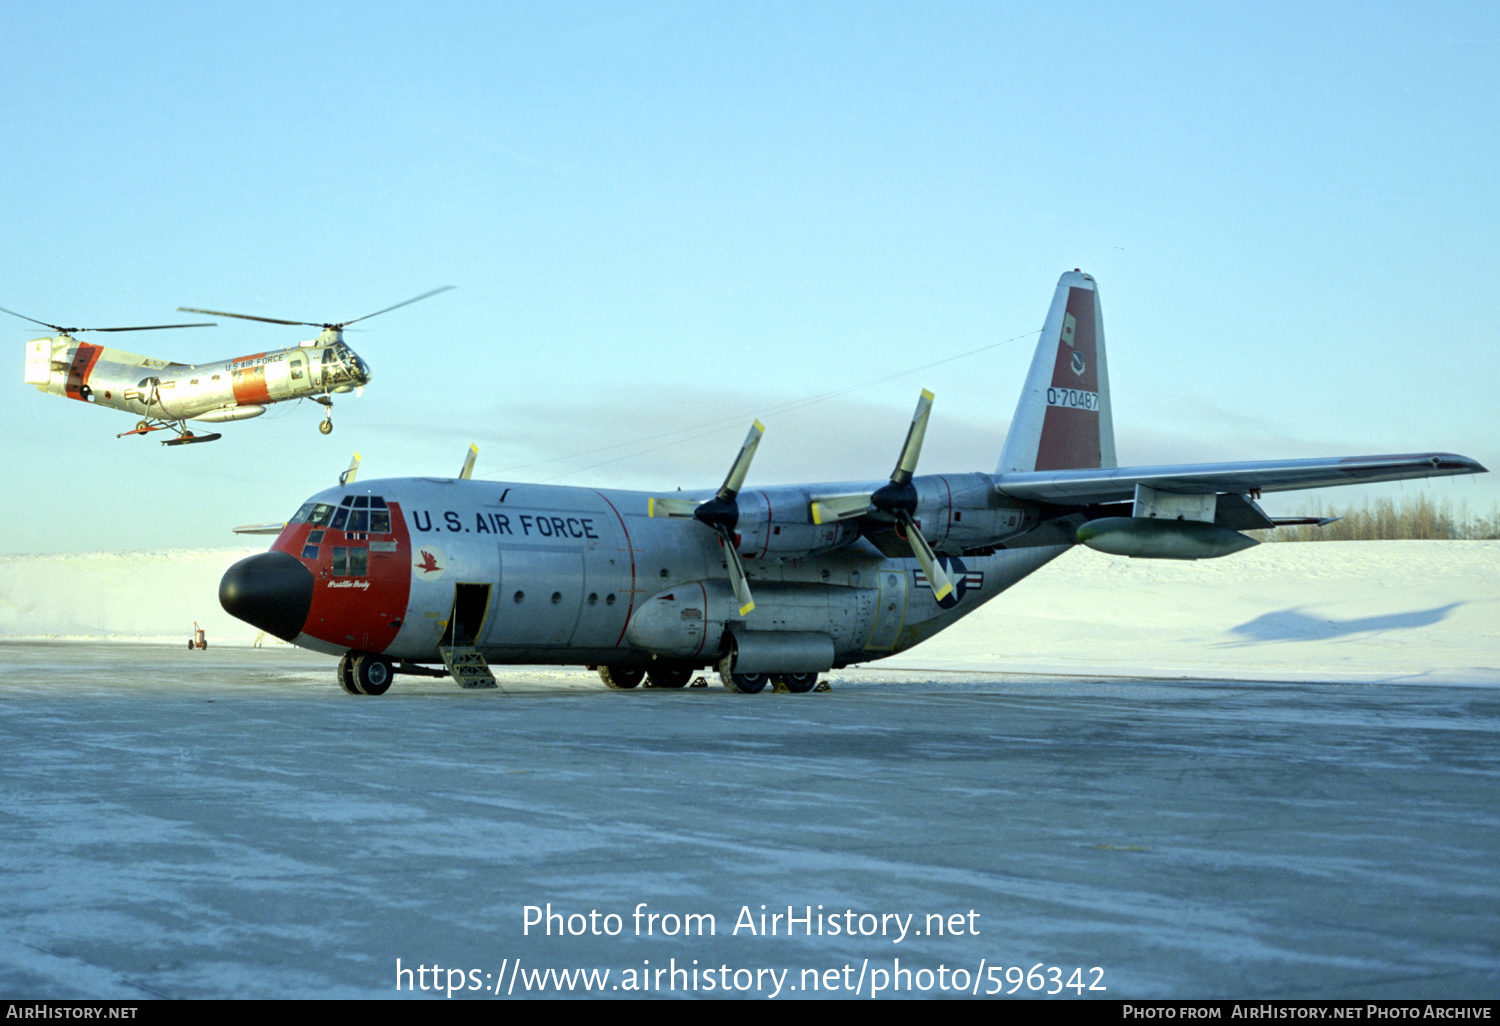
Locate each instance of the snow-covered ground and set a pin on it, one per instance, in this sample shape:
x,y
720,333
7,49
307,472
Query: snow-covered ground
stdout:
x,y
1345,611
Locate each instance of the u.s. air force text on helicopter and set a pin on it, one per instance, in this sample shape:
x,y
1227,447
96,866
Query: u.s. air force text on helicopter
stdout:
x,y
771,585
166,395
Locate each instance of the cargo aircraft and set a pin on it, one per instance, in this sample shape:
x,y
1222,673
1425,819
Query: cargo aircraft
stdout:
x,y
767,585
166,394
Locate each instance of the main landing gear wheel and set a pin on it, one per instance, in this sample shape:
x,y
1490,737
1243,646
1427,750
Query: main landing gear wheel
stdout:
x,y
745,683
668,677
620,678
796,683
325,426
346,673
372,674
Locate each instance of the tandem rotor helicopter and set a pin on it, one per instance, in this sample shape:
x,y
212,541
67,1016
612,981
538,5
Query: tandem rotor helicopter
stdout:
x,y
166,395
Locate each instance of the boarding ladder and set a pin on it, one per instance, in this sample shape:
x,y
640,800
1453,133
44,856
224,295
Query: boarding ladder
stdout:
x,y
467,666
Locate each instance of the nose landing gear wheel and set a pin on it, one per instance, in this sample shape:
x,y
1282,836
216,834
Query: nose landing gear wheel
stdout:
x,y
372,675
325,426
745,683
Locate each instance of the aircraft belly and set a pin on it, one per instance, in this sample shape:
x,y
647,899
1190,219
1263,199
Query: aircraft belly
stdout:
x,y
976,579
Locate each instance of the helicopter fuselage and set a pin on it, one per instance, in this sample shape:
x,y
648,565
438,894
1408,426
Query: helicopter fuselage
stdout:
x,y
165,392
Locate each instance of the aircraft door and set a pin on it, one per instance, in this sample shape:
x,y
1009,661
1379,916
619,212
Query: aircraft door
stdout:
x,y
890,610
537,602
470,603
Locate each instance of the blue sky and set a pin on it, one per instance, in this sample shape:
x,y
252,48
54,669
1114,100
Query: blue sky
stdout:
x,y
674,217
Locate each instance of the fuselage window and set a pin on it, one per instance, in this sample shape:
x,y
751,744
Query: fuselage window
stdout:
x,y
340,561
310,550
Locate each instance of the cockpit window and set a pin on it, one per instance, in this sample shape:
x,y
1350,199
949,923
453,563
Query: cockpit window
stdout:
x,y
302,514
320,514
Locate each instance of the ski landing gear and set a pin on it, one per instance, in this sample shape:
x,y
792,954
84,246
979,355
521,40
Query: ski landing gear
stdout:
x,y
184,436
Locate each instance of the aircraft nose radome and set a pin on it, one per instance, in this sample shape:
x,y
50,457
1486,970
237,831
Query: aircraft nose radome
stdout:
x,y
270,590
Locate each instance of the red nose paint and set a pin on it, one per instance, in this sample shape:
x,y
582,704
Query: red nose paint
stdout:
x,y
361,581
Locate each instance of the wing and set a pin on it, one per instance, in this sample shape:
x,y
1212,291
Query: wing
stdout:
x,y
1117,484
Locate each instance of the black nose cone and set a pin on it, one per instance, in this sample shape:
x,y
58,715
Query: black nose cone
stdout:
x,y
272,591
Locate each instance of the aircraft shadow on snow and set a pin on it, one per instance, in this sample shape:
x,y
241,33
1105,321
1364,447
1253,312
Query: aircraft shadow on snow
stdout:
x,y
1295,625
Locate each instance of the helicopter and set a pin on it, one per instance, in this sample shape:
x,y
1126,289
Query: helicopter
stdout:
x,y
166,394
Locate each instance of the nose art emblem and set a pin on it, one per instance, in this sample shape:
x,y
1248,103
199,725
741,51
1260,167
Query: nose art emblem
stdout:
x,y
428,563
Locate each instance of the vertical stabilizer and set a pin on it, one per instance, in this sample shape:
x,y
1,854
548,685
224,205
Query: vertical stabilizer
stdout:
x,y
1063,420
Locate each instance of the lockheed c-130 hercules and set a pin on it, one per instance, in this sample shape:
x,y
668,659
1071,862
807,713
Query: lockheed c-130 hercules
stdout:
x,y
166,395
772,585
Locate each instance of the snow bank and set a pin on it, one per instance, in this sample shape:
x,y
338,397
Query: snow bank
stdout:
x,y
1336,611
127,596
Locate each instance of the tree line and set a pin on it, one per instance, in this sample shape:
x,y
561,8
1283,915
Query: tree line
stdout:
x,y
1413,516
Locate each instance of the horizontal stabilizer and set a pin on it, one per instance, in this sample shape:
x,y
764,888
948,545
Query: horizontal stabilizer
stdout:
x,y
260,529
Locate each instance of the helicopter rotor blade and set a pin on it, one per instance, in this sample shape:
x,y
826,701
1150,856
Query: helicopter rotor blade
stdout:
x,y
143,327
245,317
155,327
33,320
377,313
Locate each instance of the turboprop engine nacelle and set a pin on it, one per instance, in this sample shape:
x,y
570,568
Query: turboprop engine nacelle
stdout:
x,y
775,522
1146,538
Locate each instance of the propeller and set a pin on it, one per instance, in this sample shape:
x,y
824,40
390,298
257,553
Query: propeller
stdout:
x,y
468,471
144,327
720,514
347,477
311,324
897,500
